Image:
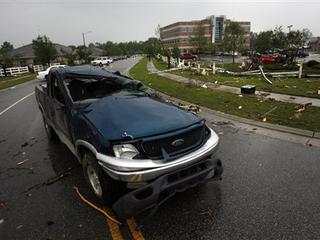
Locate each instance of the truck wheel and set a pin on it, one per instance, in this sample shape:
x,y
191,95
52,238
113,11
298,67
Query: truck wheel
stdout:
x,y
106,189
51,134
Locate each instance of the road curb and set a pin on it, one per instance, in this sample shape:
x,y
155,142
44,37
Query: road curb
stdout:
x,y
269,126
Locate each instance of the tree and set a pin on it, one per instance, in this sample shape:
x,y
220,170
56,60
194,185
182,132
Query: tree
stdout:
x,y
71,57
157,31
44,50
83,53
152,46
233,39
176,52
299,38
167,52
279,38
264,41
6,58
199,41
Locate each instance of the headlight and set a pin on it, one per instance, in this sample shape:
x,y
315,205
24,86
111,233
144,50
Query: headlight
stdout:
x,y
127,151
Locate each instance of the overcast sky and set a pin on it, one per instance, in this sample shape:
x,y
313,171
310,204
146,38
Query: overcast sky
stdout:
x,y
64,21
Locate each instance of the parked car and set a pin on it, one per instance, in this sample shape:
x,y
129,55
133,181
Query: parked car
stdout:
x,y
188,56
42,75
136,150
265,59
301,54
101,61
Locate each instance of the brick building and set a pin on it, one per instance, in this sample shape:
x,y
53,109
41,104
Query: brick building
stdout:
x,y
179,33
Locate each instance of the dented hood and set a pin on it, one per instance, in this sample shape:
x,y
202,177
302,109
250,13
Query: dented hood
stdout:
x,y
113,116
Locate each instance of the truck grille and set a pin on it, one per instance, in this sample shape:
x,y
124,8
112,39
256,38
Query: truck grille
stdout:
x,y
191,139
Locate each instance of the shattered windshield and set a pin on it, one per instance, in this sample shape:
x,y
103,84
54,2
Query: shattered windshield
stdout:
x,y
90,89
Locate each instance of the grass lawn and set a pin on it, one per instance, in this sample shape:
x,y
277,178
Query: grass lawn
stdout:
x,y
251,107
6,82
307,87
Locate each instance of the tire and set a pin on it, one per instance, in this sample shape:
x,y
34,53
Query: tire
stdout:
x,y
100,65
51,134
106,189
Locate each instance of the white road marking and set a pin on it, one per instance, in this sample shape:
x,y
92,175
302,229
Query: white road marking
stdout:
x,y
12,105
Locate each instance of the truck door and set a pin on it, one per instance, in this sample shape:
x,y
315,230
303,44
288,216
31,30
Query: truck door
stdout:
x,y
59,108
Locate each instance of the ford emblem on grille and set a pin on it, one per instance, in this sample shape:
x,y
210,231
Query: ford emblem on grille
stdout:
x,y
177,142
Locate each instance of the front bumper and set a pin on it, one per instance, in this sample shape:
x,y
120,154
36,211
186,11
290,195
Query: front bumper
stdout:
x,y
146,169
151,196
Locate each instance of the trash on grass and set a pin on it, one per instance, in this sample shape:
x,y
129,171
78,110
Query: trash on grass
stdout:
x,y
240,107
302,107
264,119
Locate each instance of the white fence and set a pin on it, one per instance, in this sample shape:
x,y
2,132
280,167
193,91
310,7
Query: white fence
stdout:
x,y
19,70
38,68
14,71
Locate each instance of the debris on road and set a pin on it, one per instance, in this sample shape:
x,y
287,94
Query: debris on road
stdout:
x,y
1,221
24,144
2,205
94,206
22,162
52,180
49,222
57,178
19,226
223,123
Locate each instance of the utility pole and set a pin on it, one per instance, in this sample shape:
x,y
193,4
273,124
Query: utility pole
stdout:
x,y
83,38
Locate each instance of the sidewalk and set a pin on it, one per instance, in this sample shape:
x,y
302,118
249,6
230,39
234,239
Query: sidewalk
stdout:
x,y
236,90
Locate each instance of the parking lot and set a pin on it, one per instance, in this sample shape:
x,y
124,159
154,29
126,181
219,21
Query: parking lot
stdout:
x,y
269,188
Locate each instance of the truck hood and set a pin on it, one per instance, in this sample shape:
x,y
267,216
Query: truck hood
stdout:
x,y
116,116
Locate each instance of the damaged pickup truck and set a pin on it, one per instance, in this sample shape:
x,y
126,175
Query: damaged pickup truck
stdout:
x,y
136,150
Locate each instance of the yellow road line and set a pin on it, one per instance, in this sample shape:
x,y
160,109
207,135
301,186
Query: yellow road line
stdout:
x,y
113,227
136,233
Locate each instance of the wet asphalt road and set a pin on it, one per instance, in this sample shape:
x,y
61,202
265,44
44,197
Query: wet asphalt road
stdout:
x,y
270,187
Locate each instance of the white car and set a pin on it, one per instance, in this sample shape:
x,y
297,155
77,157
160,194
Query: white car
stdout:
x,y
43,74
100,61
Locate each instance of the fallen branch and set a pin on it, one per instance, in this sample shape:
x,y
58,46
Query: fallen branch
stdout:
x,y
94,206
52,180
